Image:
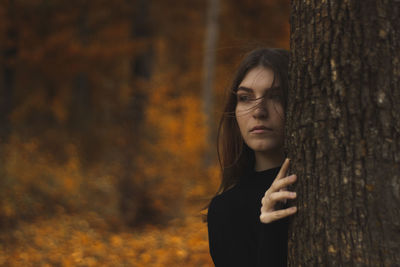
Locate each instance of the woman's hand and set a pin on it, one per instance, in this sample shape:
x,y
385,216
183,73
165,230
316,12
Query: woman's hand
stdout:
x,y
277,192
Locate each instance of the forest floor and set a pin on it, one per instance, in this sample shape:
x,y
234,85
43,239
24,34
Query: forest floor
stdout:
x,y
67,240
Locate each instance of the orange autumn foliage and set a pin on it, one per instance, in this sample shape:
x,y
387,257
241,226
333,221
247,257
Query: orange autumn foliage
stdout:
x,y
77,241
102,160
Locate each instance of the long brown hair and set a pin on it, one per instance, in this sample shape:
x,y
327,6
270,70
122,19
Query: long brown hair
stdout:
x,y
235,157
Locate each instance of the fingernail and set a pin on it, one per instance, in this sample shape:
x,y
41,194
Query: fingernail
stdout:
x,y
293,209
293,194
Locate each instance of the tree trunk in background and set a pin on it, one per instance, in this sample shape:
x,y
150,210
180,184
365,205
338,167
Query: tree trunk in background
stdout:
x,y
134,205
211,39
344,132
9,47
9,52
80,112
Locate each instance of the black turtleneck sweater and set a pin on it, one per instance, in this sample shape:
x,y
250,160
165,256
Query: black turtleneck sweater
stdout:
x,y
236,235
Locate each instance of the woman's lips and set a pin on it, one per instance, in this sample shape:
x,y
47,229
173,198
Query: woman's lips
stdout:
x,y
260,129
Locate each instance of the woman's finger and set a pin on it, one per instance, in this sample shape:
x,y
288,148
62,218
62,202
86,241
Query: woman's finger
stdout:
x,y
267,217
269,202
282,183
283,189
284,169
278,192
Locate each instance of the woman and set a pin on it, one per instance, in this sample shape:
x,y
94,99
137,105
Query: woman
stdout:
x,y
251,137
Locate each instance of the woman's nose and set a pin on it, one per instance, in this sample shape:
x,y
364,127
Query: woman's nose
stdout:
x,y
260,110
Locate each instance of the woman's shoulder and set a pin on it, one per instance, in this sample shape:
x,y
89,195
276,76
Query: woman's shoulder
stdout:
x,y
225,200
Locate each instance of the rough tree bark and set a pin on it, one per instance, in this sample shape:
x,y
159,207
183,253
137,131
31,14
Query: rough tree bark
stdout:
x,y
343,132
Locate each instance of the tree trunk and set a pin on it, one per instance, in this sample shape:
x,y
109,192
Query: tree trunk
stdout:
x,y
80,112
10,50
343,132
211,40
134,204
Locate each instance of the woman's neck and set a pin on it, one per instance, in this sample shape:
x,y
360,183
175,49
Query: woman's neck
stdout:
x,y
265,161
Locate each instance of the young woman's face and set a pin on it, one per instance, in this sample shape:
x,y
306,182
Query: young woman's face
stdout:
x,y
259,112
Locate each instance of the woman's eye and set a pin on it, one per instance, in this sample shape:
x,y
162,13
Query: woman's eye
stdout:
x,y
244,98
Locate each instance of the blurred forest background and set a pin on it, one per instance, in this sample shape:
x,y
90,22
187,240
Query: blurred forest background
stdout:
x,y
107,156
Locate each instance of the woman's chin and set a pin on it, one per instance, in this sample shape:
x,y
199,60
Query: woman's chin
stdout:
x,y
266,147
